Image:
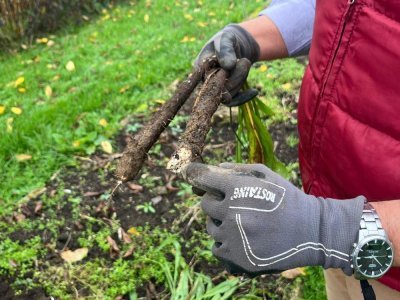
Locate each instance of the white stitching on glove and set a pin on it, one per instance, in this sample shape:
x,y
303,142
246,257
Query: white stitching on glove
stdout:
x,y
261,223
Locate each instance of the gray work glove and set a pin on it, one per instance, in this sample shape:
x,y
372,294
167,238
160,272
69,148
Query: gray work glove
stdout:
x,y
261,223
235,50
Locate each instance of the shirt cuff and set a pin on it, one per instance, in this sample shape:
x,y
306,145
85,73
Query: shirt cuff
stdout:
x,y
295,21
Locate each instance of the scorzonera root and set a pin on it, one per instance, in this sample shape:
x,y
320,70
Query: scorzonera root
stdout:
x,y
192,140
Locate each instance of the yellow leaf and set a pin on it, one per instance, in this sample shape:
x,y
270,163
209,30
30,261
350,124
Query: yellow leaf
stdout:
x,y
50,43
73,256
202,24
287,86
107,147
19,81
211,14
146,18
187,39
133,231
188,17
76,144
43,40
48,91
103,122
16,110
9,124
124,89
23,157
70,66
22,90
2,109
263,68
56,77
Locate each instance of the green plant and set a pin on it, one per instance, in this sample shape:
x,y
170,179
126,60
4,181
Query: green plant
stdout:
x,y
146,207
254,136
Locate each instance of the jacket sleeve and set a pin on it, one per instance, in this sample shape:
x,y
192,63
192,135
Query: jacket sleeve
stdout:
x,y
295,21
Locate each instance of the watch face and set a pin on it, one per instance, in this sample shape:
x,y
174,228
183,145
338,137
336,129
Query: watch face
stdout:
x,y
374,258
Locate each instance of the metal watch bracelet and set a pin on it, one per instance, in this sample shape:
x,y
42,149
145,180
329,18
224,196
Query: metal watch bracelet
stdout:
x,y
370,223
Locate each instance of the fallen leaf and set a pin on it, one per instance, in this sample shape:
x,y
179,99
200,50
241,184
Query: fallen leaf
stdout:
x,y
156,200
211,14
113,244
50,43
19,217
129,252
9,124
43,40
23,157
187,39
2,109
287,86
202,24
73,256
293,273
19,81
92,194
16,110
107,147
22,90
133,231
263,68
123,236
76,144
38,207
136,188
103,122
12,263
48,91
188,17
146,18
124,89
70,66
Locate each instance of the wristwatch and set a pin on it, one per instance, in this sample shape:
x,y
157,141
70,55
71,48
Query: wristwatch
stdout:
x,y
373,254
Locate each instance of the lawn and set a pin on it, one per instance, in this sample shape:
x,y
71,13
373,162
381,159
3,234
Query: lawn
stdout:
x,y
67,102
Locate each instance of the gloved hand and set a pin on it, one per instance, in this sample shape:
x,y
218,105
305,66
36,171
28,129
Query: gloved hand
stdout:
x,y
261,223
236,50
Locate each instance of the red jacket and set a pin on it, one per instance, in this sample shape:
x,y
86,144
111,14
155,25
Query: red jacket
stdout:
x,y
349,108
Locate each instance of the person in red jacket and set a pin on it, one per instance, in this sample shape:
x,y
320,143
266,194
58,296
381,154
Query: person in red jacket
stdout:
x,y
347,218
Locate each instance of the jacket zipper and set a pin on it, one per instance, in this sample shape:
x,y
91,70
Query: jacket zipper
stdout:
x,y
344,24
346,19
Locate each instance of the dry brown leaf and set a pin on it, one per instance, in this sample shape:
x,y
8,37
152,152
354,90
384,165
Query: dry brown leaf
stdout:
x,y
19,217
123,236
38,207
73,256
113,244
136,188
129,252
92,194
293,273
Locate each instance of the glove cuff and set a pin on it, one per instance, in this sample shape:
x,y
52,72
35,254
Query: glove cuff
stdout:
x,y
339,228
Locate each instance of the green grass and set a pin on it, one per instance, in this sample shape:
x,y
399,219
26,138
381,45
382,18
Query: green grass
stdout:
x,y
122,65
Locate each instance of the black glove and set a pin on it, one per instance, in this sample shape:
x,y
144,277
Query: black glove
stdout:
x,y
236,50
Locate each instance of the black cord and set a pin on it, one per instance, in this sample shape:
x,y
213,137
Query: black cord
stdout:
x,y
367,290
